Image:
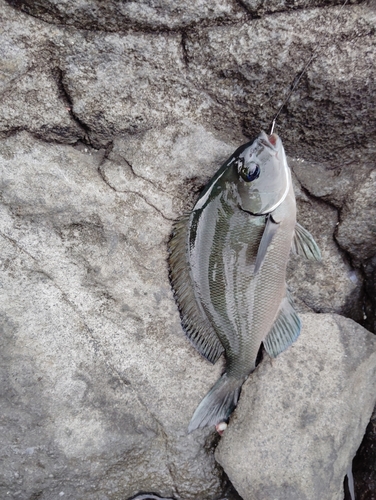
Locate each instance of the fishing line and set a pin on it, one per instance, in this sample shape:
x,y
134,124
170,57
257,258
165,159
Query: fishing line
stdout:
x,y
297,80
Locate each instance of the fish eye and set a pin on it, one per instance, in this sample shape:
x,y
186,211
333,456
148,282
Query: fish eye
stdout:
x,y
249,171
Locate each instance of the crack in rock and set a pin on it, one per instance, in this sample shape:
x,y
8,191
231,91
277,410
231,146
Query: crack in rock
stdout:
x,y
130,191
70,105
17,245
97,347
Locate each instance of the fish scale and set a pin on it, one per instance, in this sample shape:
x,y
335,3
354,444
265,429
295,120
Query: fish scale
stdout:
x,y
228,261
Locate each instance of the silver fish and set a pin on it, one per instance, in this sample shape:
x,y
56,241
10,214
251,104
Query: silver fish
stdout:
x,y
228,260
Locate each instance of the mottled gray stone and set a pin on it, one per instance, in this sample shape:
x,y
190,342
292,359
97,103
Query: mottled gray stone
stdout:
x,y
118,15
126,84
332,285
302,416
369,268
349,187
31,95
357,229
249,69
335,181
170,163
99,382
230,77
261,7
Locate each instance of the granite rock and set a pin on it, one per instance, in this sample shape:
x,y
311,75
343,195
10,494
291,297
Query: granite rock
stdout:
x,y
99,382
334,284
302,416
357,229
249,70
137,15
31,95
114,116
261,7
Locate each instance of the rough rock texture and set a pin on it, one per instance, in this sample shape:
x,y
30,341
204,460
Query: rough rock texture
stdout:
x,y
113,116
260,7
347,188
370,289
226,76
296,444
364,464
253,63
332,285
31,95
119,15
92,358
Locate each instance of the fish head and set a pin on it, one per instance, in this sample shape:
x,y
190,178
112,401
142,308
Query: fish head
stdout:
x,y
263,175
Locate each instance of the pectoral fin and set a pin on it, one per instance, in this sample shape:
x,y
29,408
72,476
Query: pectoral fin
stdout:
x,y
270,230
285,331
303,244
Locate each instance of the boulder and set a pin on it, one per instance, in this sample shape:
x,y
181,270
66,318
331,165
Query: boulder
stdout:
x,y
357,228
332,285
249,69
31,93
262,7
98,380
114,116
302,416
116,15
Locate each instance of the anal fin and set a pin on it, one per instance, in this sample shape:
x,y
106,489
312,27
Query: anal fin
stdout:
x,y
285,330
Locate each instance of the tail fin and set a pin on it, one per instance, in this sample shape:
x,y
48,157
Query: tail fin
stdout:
x,y
218,404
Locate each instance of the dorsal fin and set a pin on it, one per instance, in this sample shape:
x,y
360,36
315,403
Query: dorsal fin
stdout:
x,y
193,318
286,329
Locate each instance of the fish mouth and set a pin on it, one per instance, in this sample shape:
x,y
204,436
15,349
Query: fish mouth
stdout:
x,y
270,141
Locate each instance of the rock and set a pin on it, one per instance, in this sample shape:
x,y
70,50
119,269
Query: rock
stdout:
x,y
114,116
302,416
334,181
249,69
357,229
31,94
118,15
332,285
260,7
369,268
142,77
364,463
224,76
348,185
172,162
99,382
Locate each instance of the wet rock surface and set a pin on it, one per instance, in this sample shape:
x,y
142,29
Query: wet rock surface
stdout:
x,y
114,116
296,443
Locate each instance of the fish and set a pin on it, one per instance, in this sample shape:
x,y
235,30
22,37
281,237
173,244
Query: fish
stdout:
x,y
227,263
